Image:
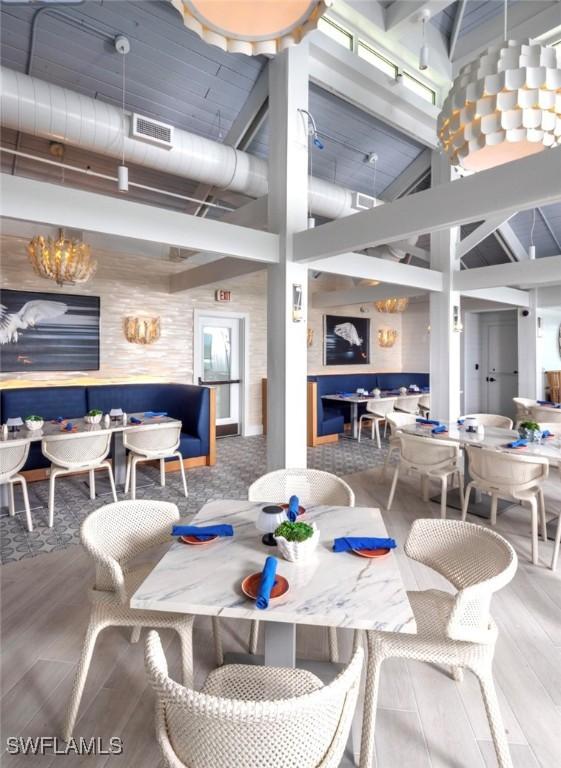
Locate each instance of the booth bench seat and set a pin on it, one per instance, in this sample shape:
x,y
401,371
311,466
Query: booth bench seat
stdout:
x,y
194,406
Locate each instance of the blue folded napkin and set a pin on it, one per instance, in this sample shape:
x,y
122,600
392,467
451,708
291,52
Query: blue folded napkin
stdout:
x,y
517,443
59,419
154,414
460,422
544,402
359,542
346,394
435,422
202,532
438,430
547,433
267,583
292,512
134,420
69,427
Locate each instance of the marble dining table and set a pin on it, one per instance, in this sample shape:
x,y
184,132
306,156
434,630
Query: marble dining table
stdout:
x,y
354,400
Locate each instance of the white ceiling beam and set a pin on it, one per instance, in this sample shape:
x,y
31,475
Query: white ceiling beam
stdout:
x,y
509,240
510,296
496,192
250,118
478,235
402,12
525,20
215,272
529,273
359,265
456,26
30,200
408,178
362,295
351,78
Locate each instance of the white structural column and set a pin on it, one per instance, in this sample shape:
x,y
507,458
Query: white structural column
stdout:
x,y
444,340
530,376
288,206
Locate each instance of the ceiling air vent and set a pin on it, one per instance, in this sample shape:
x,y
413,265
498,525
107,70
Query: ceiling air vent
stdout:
x,y
152,131
362,202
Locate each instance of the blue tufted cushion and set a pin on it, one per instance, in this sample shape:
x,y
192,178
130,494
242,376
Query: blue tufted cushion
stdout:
x,y
190,446
333,422
397,380
48,402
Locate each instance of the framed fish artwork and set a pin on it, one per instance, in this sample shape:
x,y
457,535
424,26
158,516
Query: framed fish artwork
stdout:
x,y
346,340
48,331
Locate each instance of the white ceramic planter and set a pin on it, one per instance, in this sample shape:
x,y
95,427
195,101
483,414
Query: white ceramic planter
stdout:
x,y
298,551
34,426
93,419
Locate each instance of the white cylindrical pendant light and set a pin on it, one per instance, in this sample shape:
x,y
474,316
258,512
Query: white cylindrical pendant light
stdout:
x,y
424,57
123,178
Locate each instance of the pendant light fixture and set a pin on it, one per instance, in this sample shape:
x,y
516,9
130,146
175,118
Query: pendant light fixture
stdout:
x,y
532,247
503,106
66,261
123,46
250,27
424,52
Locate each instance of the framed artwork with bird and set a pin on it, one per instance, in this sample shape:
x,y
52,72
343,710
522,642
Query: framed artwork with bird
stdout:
x,y
48,331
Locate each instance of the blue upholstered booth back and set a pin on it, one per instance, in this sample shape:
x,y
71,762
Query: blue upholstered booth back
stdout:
x,y
189,403
331,415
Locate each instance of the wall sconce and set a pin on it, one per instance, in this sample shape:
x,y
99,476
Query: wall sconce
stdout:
x,y
386,337
310,336
457,324
142,330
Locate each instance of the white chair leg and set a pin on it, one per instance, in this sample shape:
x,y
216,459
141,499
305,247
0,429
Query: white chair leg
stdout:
x,y
461,486
541,500
133,478
385,428
26,504
534,511
94,628
217,632
359,429
387,459
92,484
370,702
443,496
128,475
11,500
182,470
555,555
494,505
162,472
465,505
186,640
52,497
135,634
112,481
494,718
333,644
392,489
253,637
377,429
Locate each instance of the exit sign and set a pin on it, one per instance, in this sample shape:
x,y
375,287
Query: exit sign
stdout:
x,y
222,295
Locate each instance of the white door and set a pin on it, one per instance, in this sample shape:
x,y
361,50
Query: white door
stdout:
x,y
501,378
218,363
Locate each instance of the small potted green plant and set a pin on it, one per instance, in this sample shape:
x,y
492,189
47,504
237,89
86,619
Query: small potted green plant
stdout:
x,y
93,416
296,541
34,422
530,430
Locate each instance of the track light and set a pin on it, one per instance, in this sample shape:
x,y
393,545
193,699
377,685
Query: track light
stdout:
x,y
424,52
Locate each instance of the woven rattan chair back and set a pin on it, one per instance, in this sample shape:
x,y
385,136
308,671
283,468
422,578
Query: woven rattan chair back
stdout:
x,y
205,731
505,471
116,533
312,486
381,407
153,439
79,450
423,452
546,413
491,420
475,560
409,404
13,455
396,420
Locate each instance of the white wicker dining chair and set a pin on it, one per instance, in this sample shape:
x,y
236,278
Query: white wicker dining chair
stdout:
x,y
408,404
509,476
153,442
74,453
424,406
395,421
545,413
13,455
113,536
376,411
248,716
491,420
431,459
454,630
523,407
313,487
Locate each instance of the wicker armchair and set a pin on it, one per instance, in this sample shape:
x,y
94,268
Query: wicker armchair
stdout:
x,y
82,452
114,535
13,455
430,458
546,413
454,630
253,716
491,420
508,476
523,407
376,411
424,406
408,404
149,443
395,421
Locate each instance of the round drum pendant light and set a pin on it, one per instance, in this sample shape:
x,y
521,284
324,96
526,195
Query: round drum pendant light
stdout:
x,y
503,106
252,27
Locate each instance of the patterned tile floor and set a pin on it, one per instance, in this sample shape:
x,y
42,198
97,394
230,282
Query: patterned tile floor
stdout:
x,y
240,461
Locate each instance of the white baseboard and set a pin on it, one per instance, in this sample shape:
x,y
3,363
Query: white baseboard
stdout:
x,y
253,429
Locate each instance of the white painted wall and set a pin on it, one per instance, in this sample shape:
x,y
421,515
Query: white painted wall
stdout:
x,y
550,355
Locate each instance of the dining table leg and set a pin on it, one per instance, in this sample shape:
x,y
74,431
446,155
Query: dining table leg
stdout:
x,y
119,453
280,644
354,420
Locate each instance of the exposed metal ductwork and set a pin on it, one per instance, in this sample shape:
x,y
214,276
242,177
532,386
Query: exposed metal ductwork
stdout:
x,y
39,108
